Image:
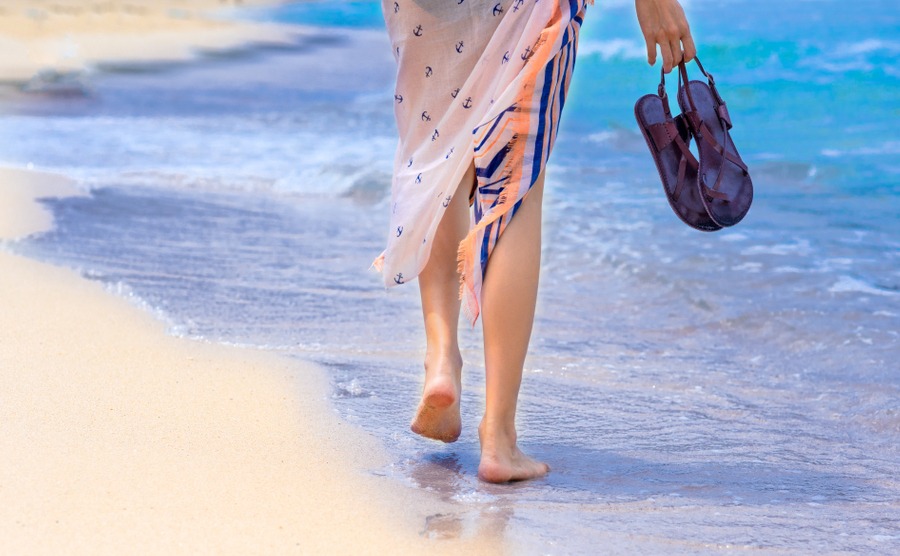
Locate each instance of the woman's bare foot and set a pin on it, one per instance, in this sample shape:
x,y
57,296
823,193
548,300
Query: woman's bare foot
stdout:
x,y
438,414
501,459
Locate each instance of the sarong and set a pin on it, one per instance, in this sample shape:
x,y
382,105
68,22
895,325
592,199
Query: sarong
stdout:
x,y
478,81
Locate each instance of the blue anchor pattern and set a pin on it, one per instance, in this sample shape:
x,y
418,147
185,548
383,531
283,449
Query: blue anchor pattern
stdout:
x,y
421,105
459,46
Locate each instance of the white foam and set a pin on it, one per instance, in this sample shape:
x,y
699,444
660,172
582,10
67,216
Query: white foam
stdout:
x,y
868,46
747,267
602,137
473,497
801,247
848,284
264,153
885,148
123,290
788,270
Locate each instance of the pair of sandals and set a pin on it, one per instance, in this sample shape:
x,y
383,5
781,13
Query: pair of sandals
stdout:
x,y
716,191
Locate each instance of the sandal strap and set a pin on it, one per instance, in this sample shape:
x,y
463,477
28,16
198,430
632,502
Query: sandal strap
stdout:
x,y
668,132
702,130
665,134
713,193
706,134
679,181
686,151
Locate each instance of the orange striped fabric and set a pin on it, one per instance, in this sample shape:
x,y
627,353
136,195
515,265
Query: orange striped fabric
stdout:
x,y
486,86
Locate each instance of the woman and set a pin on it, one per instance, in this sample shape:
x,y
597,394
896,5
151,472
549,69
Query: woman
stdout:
x,y
480,89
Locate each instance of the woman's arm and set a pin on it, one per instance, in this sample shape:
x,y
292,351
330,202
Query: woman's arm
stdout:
x,y
663,23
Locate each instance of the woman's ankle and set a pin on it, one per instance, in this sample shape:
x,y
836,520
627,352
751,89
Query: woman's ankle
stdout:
x,y
497,434
443,360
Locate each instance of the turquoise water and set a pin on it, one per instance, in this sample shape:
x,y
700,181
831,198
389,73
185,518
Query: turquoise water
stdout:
x,y
815,83
815,87
691,391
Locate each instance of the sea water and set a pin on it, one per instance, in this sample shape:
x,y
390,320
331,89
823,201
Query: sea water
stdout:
x,y
691,391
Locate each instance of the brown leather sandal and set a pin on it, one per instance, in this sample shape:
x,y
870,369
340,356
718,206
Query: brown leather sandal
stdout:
x,y
669,140
724,181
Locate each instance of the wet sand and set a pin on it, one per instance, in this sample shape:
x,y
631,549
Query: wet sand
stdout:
x,y
119,438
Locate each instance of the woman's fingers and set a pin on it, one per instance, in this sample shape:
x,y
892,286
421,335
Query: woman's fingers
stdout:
x,y
677,54
690,51
651,49
665,48
663,23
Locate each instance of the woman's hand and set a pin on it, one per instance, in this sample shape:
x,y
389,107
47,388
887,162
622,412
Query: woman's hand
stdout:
x,y
663,23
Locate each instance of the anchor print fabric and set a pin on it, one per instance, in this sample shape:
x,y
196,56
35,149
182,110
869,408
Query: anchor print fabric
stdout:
x,y
479,82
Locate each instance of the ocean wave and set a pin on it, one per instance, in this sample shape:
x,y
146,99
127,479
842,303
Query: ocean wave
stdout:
x,y
266,153
801,248
848,284
619,138
867,55
887,147
625,49
868,46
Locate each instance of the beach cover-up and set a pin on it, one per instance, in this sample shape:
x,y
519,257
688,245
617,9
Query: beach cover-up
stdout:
x,y
482,81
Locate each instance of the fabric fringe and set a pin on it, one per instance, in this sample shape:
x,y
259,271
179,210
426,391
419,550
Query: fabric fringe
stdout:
x,y
378,264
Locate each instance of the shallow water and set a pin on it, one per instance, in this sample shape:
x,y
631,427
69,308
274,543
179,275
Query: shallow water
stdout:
x,y
691,391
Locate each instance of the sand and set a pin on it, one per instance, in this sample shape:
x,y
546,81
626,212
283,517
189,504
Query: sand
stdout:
x,y
118,438
43,39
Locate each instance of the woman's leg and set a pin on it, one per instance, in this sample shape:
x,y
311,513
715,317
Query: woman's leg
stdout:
x,y
509,294
438,413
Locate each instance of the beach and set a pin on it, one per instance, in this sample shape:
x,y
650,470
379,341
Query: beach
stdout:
x,y
117,437
197,356
50,39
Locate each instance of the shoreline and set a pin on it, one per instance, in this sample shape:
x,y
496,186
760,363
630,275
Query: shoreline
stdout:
x,y
120,437
45,42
